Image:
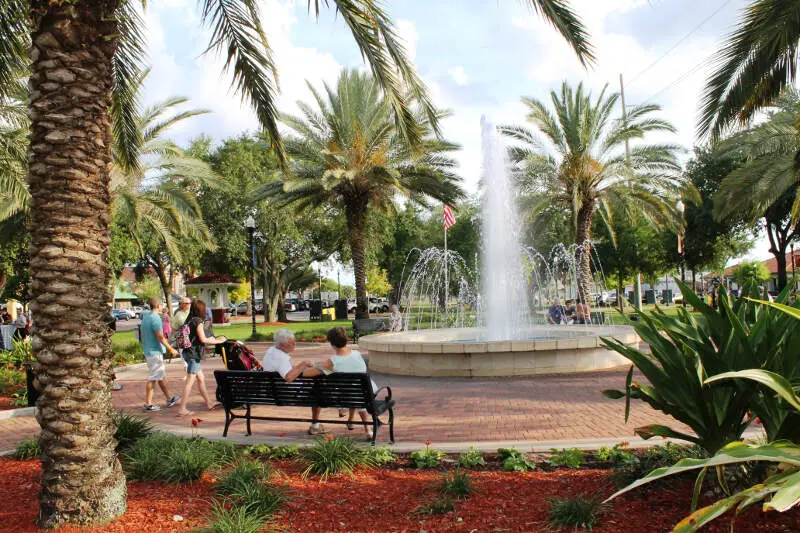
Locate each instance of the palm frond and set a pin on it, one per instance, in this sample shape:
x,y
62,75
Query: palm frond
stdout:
x,y
568,24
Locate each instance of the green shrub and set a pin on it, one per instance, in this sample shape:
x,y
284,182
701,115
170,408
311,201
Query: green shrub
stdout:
x,y
569,457
579,512
164,457
329,457
379,455
19,354
245,472
11,380
505,453
235,519
457,485
128,354
27,449
471,458
427,458
20,398
662,456
518,463
284,452
617,456
130,428
439,505
260,499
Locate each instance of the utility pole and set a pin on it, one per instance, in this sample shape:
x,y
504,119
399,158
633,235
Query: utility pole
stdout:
x,y
338,286
637,287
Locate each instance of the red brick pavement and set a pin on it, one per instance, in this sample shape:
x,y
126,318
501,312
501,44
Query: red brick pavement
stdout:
x,y
557,407
14,430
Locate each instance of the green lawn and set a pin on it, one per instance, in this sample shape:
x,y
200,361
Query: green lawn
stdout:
x,y
304,331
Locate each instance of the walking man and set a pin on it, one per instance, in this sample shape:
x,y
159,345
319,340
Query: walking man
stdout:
x,y
154,345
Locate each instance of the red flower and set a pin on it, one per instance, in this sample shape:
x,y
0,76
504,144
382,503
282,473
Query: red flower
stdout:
x,y
195,421
427,443
329,437
281,434
624,443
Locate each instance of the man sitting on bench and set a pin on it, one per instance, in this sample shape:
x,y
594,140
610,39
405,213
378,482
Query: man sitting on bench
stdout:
x,y
277,359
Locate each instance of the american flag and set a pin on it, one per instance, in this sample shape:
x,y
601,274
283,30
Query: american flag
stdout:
x,y
449,217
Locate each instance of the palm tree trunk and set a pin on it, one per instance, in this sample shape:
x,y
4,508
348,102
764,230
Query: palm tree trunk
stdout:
x,y
356,226
71,72
584,252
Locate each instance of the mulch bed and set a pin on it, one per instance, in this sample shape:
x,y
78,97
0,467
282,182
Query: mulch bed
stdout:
x,y
385,500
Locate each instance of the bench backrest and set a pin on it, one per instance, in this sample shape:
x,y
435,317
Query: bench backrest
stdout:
x,y
351,390
368,325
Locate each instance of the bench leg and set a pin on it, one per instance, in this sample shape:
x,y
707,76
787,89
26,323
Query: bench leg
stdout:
x,y
228,419
248,421
391,425
375,426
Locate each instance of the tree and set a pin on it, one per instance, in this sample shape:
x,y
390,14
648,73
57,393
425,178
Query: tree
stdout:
x,y
753,66
349,156
585,170
79,51
708,242
781,230
377,281
751,272
146,288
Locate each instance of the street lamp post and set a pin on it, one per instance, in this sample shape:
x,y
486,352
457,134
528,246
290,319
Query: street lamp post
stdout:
x,y
250,224
681,250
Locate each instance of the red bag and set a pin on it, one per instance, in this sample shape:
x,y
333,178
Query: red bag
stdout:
x,y
240,357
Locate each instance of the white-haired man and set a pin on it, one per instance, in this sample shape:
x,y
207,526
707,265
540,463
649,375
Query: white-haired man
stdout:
x,y
278,359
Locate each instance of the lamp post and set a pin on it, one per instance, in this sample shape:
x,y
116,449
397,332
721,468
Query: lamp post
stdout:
x,y
681,251
794,283
250,224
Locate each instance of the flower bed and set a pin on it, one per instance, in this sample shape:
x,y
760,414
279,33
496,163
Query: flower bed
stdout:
x,y
388,499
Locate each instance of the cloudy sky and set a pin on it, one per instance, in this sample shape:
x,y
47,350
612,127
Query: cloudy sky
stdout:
x,y
478,57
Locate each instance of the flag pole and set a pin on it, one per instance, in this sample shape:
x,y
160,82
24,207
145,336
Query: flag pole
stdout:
x,y
446,285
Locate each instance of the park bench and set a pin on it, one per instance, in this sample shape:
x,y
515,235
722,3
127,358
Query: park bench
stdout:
x,y
363,326
238,389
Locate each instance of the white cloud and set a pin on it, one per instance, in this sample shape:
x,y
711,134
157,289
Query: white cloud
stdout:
x,y
407,32
458,75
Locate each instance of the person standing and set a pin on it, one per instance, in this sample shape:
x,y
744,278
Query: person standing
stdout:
x,y
154,344
179,317
192,356
278,359
21,323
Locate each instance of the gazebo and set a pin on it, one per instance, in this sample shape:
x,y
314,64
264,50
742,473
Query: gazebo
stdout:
x,y
212,288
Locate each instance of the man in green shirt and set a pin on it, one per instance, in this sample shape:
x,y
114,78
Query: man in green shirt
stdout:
x,y
154,344
179,317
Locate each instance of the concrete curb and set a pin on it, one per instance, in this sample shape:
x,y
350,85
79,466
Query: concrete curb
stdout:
x,y
14,413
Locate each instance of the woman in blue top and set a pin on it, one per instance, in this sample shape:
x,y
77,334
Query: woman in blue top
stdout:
x,y
344,360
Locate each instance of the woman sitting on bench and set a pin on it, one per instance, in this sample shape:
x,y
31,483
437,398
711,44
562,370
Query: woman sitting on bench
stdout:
x,y
345,360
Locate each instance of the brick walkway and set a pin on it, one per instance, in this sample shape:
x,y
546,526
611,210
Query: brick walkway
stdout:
x,y
542,408
442,410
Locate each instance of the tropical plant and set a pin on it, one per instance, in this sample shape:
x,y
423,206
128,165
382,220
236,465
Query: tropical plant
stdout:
x,y
585,169
471,458
79,51
514,460
568,457
754,64
332,456
688,349
130,429
349,155
427,458
14,123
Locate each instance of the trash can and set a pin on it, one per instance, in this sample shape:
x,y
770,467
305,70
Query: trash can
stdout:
x,y
650,296
340,306
666,295
315,310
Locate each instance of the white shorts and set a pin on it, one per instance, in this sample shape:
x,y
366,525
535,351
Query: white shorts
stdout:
x,y
156,371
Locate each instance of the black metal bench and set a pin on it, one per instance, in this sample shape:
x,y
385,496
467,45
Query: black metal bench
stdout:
x,y
238,389
363,326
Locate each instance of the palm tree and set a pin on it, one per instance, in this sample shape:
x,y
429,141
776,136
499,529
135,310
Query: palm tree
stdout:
x,y
756,62
582,165
13,147
348,154
80,50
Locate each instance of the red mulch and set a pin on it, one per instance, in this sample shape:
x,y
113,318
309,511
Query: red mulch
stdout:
x,y
5,403
385,500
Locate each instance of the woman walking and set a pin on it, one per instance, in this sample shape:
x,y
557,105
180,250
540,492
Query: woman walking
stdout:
x,y
193,355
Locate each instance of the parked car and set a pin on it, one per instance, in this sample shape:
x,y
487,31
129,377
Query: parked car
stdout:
x,y
120,314
137,311
378,305
240,308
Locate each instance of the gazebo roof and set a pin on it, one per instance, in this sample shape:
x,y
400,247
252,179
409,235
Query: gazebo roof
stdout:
x,y
212,278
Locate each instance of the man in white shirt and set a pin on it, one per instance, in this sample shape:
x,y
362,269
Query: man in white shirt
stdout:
x,y
278,359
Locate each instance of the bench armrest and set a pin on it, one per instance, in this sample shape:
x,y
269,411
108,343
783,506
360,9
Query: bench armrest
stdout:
x,y
388,392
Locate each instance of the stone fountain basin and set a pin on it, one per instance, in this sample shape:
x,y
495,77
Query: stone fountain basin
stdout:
x,y
460,352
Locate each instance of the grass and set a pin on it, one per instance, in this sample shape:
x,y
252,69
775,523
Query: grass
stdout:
x,y
27,449
235,519
439,505
457,485
130,429
244,473
573,513
164,457
332,456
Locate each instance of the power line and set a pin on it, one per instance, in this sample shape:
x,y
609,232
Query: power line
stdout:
x,y
678,80
682,39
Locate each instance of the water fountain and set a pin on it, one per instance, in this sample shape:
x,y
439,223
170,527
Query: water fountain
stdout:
x,y
452,329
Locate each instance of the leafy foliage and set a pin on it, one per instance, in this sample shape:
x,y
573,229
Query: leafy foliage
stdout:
x,y
515,461
379,455
330,457
27,449
568,457
235,519
130,429
285,451
577,512
245,472
457,485
427,458
751,272
163,457
616,455
471,458
11,379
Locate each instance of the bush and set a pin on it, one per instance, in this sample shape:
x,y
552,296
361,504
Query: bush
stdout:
x,y
379,455
284,452
579,512
163,457
245,472
569,457
457,485
617,456
471,458
233,520
332,456
130,428
439,505
11,380
505,453
427,458
260,499
518,463
27,449
128,354
653,458
19,354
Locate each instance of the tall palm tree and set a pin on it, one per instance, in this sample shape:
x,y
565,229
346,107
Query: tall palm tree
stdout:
x,y
755,63
348,154
582,165
13,147
79,51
